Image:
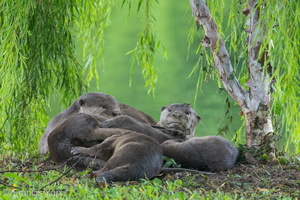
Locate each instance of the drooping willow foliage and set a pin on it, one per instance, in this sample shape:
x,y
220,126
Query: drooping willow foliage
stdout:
x,y
281,37
147,44
37,58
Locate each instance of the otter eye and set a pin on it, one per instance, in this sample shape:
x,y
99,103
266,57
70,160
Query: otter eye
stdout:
x,y
104,107
169,109
187,112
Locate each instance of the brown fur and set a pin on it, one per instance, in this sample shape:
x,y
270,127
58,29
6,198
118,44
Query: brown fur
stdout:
x,y
80,129
212,153
179,117
136,114
90,103
128,157
129,123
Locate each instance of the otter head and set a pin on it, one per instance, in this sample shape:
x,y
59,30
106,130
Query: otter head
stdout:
x,y
179,116
99,104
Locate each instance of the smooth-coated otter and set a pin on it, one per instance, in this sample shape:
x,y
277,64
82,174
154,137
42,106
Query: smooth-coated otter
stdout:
x,y
213,153
136,114
94,103
86,130
130,156
80,129
129,123
176,120
179,116
90,103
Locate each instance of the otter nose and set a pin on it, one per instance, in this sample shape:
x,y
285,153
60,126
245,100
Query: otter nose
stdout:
x,y
116,113
177,114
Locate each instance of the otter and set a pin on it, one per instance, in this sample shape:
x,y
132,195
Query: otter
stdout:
x,y
213,153
130,156
175,120
179,116
79,129
91,103
128,123
82,129
136,114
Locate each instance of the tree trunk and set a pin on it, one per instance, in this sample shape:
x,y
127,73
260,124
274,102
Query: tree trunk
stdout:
x,y
255,102
259,126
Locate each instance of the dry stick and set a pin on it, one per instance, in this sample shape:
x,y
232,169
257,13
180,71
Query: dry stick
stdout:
x,y
3,183
62,174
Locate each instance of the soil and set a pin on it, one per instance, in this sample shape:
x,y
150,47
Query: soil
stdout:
x,y
242,179
245,178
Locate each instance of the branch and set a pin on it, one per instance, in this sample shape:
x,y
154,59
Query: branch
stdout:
x,y
220,55
62,174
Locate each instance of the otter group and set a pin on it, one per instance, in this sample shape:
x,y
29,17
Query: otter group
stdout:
x,y
119,142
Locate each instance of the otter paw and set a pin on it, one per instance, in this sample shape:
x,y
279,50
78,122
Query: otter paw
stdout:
x,y
78,150
174,132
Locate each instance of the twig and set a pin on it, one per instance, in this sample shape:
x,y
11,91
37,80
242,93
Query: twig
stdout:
x,y
3,183
62,174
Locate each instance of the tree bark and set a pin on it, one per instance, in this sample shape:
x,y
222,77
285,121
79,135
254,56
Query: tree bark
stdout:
x,y
255,102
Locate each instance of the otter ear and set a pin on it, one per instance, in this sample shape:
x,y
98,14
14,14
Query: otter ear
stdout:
x,y
81,102
164,107
199,118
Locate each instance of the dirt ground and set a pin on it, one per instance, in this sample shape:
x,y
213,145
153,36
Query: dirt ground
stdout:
x,y
243,179
277,179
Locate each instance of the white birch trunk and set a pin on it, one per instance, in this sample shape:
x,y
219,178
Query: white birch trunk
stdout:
x,y
255,102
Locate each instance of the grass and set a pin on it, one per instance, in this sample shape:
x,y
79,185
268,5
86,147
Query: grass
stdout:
x,y
242,182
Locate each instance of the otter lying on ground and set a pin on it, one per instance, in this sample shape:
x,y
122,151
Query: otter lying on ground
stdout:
x,y
85,130
90,103
175,120
128,123
117,154
80,129
93,103
212,153
129,156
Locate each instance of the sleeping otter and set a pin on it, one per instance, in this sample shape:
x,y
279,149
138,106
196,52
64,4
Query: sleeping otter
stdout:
x,y
175,120
79,129
93,103
85,130
129,123
90,103
129,156
212,153
136,114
